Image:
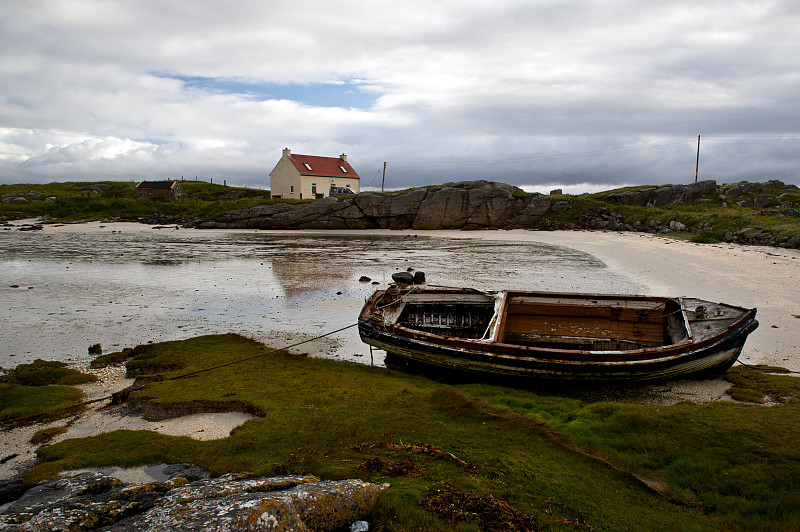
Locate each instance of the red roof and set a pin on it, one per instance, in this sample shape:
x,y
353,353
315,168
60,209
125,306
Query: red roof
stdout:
x,y
322,166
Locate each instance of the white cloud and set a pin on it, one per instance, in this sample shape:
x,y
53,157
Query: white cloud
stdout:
x,y
535,85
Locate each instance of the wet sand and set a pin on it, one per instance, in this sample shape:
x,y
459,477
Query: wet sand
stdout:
x,y
748,276
283,286
766,278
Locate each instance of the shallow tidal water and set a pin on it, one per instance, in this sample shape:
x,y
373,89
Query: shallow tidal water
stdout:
x,y
123,284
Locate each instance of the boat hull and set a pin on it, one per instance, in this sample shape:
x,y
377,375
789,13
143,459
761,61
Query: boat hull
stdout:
x,y
705,362
702,359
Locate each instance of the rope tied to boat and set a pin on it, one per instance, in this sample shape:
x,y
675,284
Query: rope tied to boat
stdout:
x,y
10,423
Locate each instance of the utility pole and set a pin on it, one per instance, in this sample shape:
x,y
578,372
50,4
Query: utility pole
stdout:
x,y
697,162
384,175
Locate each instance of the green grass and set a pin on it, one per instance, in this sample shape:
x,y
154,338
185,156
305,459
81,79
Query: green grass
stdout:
x,y
119,201
111,359
708,237
204,203
43,372
29,403
719,219
727,466
40,390
43,436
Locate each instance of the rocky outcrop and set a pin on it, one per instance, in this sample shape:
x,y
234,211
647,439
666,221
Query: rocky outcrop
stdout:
x,y
608,220
755,236
19,198
661,196
465,205
490,205
93,501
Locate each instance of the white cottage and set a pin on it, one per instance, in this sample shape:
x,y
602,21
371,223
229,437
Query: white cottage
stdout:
x,y
309,177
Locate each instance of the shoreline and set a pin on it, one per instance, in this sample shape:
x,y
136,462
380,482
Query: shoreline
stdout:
x,y
759,277
762,277
19,453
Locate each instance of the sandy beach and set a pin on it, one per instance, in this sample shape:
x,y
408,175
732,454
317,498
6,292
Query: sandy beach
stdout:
x,y
766,278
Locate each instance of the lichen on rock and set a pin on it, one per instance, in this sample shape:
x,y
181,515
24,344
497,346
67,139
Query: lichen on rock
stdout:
x,y
93,501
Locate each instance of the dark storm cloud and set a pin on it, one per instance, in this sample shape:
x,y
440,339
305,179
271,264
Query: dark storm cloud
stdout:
x,y
530,93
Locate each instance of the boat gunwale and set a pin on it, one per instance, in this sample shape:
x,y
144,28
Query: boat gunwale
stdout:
x,y
567,356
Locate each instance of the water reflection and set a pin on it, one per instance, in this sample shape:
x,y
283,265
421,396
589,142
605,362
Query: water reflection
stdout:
x,y
122,288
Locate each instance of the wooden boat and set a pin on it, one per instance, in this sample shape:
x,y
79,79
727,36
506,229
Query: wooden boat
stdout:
x,y
562,336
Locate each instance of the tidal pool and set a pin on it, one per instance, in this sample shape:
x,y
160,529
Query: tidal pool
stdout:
x,y
66,288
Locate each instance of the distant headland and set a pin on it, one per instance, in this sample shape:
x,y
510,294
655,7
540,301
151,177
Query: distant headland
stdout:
x,y
765,213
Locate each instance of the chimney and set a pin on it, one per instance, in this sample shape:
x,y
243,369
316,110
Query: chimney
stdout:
x,y
287,153
343,157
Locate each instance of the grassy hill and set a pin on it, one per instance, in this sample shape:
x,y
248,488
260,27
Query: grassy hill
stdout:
x,y
83,201
772,208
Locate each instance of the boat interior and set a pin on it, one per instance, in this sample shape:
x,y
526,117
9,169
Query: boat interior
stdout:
x,y
556,321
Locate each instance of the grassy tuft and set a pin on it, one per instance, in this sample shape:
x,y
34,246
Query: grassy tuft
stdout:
x,y
708,237
30,403
43,436
43,372
758,384
111,359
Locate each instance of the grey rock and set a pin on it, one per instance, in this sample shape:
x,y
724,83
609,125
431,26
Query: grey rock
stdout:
x,y
661,197
93,501
696,190
677,226
742,188
748,233
403,277
769,186
762,202
464,205
233,195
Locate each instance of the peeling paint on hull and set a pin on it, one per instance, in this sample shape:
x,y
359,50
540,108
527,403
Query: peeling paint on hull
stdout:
x,y
704,358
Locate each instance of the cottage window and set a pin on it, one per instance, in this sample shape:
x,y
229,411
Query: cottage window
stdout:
x,y
343,169
291,189
308,166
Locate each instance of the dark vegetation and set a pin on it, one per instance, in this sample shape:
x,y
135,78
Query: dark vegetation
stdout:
x,y
43,372
40,390
107,200
111,359
43,436
26,404
472,456
708,219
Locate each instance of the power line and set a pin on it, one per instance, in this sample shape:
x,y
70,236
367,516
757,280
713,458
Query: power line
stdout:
x,y
716,139
595,153
6,423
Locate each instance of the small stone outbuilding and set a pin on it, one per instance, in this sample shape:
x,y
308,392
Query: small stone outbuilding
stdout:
x,y
168,190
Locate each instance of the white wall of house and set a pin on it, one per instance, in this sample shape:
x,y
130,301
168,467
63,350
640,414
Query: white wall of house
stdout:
x,y
284,180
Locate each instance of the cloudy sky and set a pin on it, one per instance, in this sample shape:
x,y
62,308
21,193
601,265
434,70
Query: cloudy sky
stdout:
x,y
581,94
